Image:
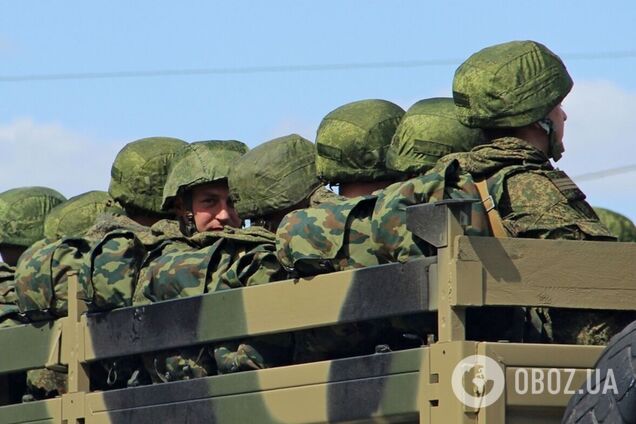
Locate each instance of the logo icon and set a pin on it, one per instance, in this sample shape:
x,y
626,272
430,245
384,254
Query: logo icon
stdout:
x,y
486,385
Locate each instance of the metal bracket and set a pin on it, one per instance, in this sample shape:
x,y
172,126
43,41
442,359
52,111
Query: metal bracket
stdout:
x,y
429,221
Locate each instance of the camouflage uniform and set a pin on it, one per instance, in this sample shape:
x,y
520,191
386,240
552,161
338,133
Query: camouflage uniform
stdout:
x,y
534,199
514,85
619,225
312,241
351,146
9,311
22,217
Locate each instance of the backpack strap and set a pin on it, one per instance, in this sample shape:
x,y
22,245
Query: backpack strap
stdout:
x,y
496,224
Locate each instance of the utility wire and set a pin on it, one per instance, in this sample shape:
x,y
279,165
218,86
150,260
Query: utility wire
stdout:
x,y
628,54
605,173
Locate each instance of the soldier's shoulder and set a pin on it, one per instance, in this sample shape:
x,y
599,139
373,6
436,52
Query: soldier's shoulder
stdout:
x,y
252,234
543,186
107,222
169,228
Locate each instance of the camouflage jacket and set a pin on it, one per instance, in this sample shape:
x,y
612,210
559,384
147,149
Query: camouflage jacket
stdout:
x,y
41,276
107,222
207,262
9,311
107,260
330,236
391,239
534,199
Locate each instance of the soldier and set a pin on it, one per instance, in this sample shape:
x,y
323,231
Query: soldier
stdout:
x,y
273,179
22,215
351,145
138,175
514,92
196,189
265,183
337,237
428,131
619,225
216,255
71,218
525,124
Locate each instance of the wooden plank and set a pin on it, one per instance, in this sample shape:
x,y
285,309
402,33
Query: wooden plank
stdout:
x,y
29,345
348,296
41,412
346,401
553,273
362,367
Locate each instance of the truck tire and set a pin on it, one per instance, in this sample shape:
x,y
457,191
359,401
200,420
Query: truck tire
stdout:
x,y
616,407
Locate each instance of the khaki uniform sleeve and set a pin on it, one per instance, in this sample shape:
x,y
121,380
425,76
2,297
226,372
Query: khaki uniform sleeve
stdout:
x,y
549,205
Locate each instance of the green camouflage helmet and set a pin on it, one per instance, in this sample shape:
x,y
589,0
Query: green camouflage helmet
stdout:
x,y
428,131
619,225
199,163
140,171
509,85
22,214
352,140
76,215
274,176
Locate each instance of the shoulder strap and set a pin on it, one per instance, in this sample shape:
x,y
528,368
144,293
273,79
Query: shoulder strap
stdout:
x,y
496,224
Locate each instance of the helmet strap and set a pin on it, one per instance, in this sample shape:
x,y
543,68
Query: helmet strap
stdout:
x,y
555,147
186,223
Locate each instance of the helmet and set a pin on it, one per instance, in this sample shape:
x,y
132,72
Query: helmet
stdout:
x,y
22,213
352,140
199,163
76,215
619,225
509,85
274,176
140,171
428,131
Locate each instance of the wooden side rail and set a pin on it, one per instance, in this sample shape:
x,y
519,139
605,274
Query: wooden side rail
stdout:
x,y
341,297
557,273
30,346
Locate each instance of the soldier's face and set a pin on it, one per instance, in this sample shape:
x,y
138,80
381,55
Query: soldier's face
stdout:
x,y
212,207
558,117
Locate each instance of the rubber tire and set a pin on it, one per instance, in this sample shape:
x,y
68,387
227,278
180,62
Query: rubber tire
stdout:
x,y
615,408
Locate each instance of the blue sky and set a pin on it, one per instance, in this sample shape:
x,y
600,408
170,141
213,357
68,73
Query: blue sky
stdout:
x,y
65,133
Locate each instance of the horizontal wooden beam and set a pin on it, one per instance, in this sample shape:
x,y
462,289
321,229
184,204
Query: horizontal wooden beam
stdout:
x,y
341,297
29,346
551,273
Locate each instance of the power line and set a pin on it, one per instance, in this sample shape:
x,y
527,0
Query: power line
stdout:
x,y
628,54
605,173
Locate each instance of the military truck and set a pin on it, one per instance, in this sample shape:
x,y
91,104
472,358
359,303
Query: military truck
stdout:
x,y
445,381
